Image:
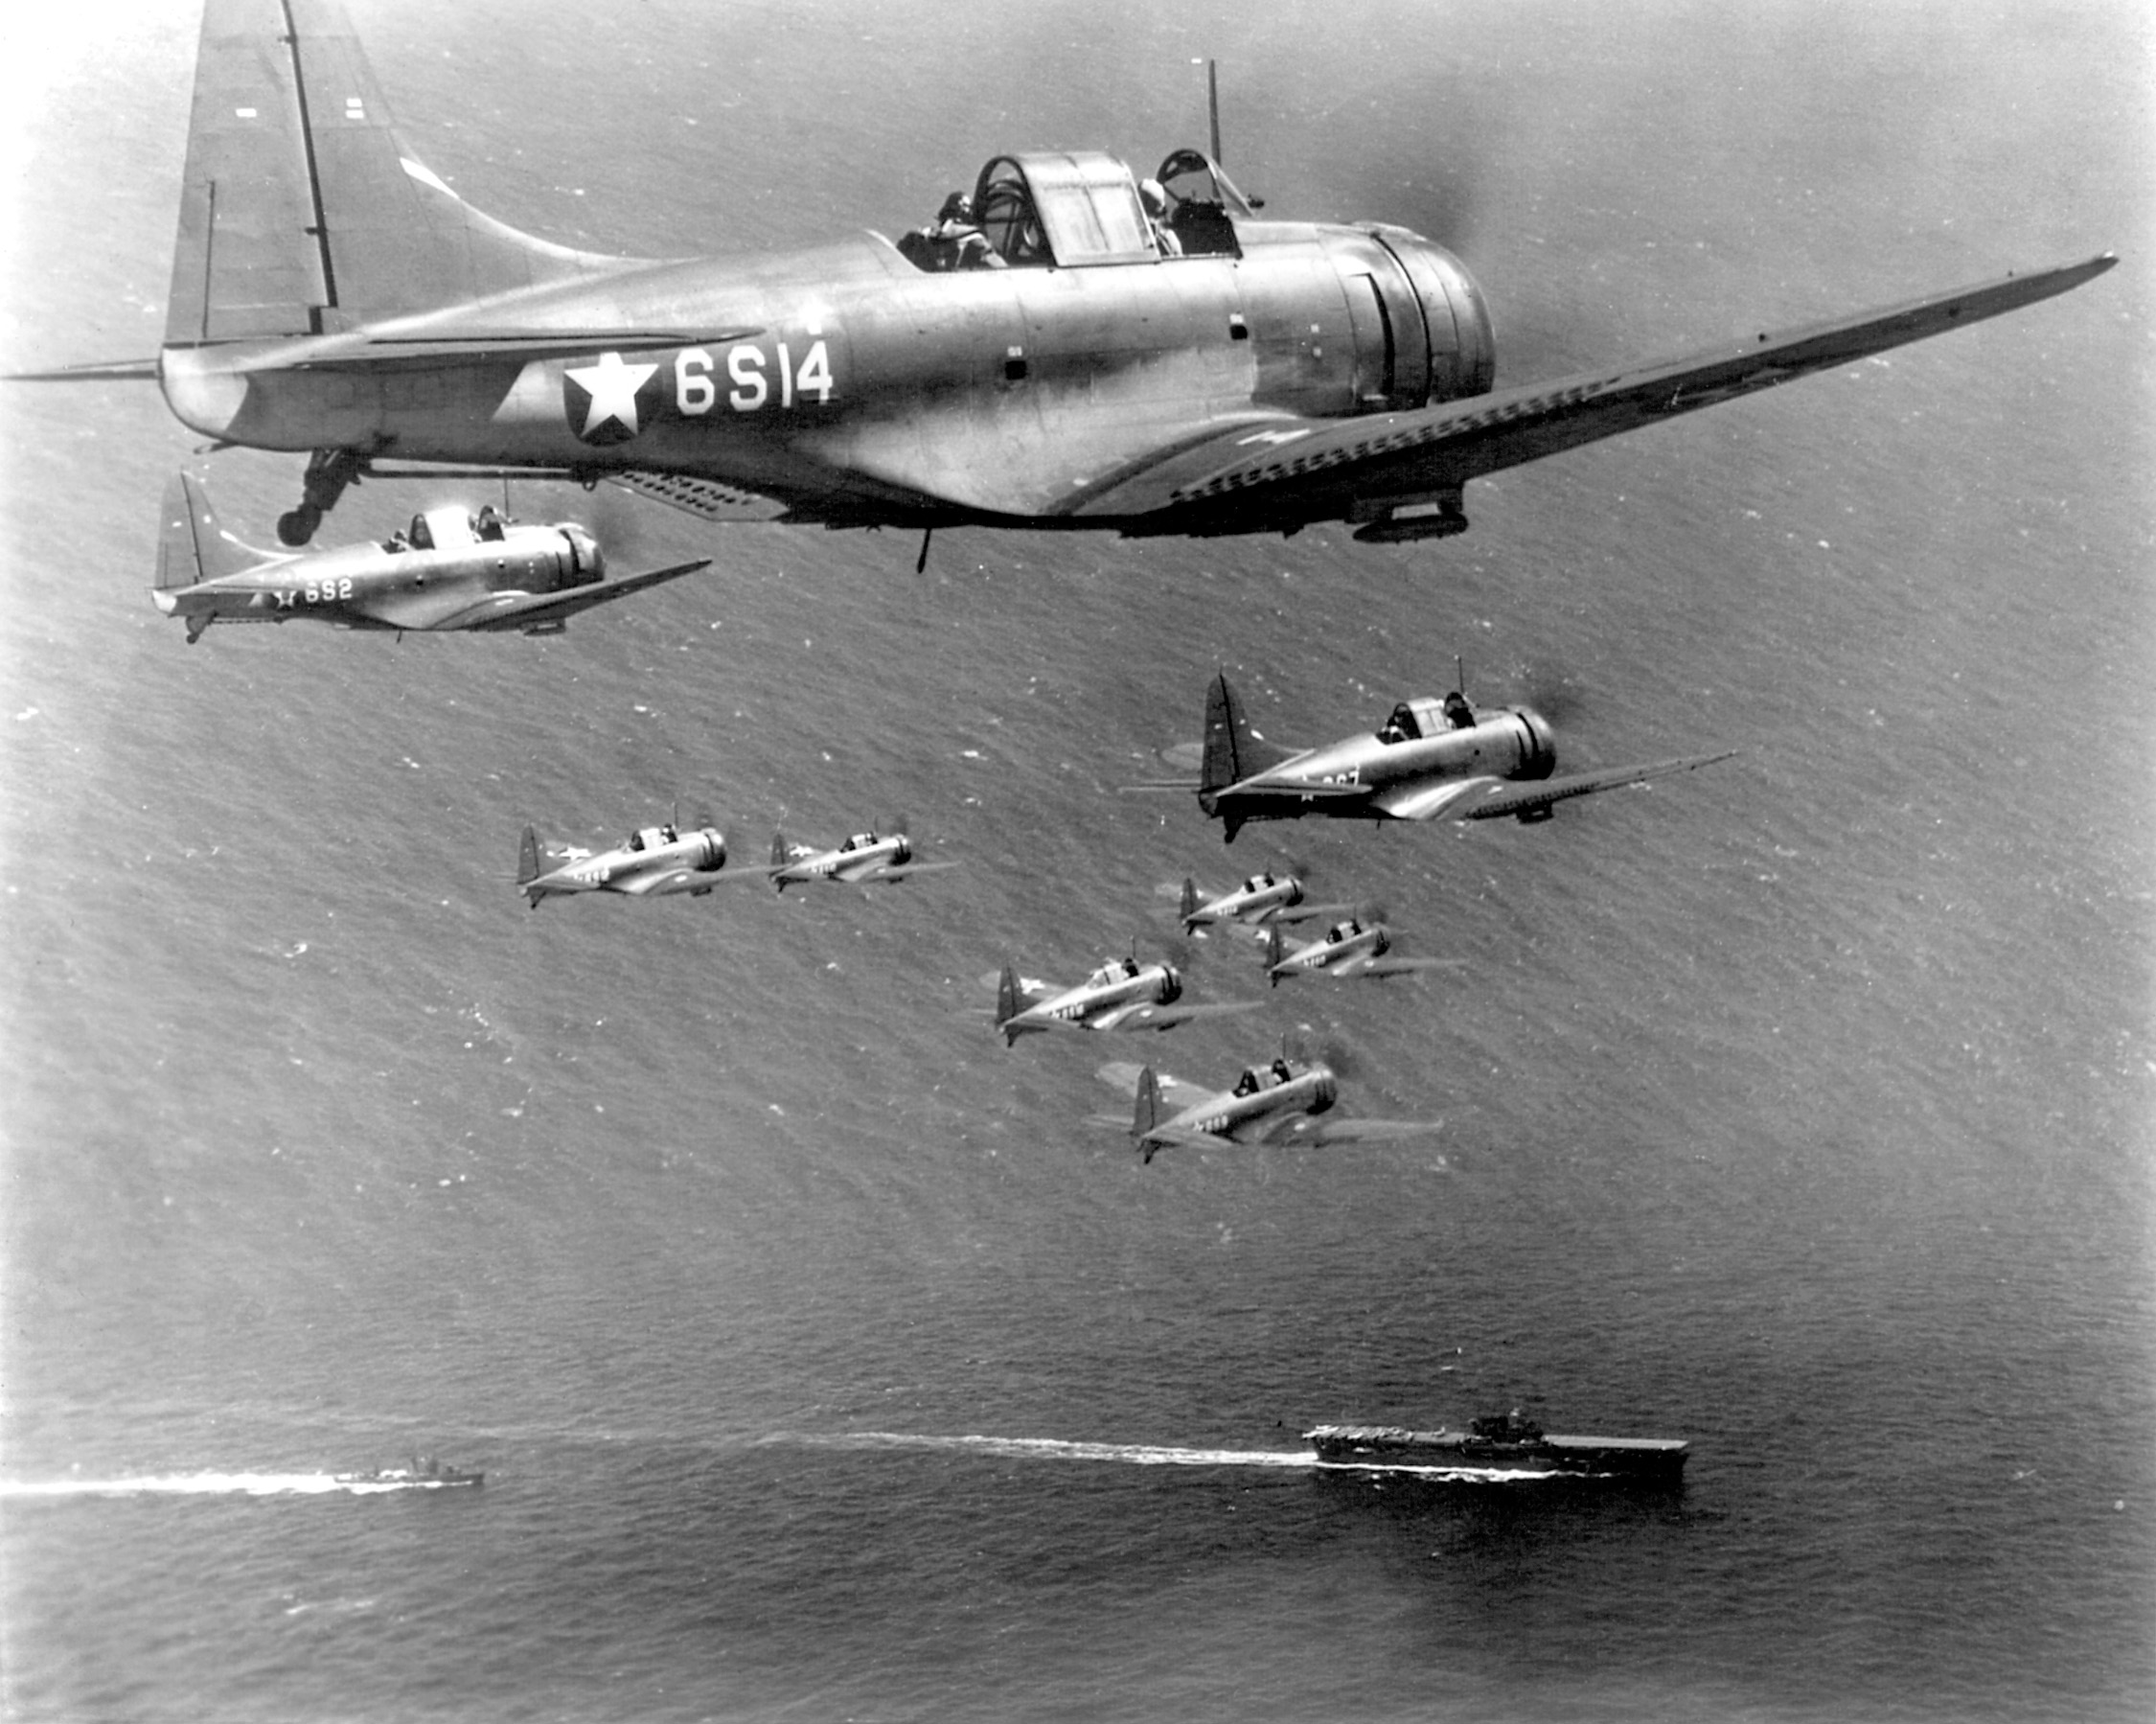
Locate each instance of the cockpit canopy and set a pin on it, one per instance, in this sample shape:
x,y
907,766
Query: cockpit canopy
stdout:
x,y
1427,716
1066,209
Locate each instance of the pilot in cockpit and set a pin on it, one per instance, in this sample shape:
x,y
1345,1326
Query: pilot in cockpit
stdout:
x,y
1281,1070
955,242
1247,1083
1457,712
421,535
1156,203
489,523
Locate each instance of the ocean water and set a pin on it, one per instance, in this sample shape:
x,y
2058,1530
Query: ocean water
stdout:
x,y
825,1362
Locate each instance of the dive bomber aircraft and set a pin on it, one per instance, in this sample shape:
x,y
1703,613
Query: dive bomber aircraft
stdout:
x,y
450,570
1123,993
1078,362
1276,1103
1349,947
1266,897
864,858
653,861
1432,759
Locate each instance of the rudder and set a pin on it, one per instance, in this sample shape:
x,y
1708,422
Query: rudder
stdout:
x,y
528,865
1147,1117
300,214
192,547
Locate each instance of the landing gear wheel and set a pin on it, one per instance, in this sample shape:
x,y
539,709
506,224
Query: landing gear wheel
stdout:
x,y
297,526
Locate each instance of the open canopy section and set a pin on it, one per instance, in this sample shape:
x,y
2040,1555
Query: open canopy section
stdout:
x,y
1063,210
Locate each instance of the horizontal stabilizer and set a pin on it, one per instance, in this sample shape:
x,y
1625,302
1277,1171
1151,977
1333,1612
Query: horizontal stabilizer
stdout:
x,y
99,371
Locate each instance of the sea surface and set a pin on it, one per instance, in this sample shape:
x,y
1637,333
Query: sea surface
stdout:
x,y
824,1359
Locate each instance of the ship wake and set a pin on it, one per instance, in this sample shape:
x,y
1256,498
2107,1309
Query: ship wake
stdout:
x,y
211,1485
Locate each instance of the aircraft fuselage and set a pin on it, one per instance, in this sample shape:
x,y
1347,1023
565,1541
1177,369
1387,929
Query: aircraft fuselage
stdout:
x,y
1347,778
855,387
1310,1089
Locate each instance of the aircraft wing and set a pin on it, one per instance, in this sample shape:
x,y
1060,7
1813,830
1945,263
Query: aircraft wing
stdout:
x,y
547,609
1379,968
1176,1096
705,497
1289,463
1307,913
1167,1137
1323,1131
1155,1016
1495,798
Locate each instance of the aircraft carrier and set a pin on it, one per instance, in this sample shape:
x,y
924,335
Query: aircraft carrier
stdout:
x,y
1506,1442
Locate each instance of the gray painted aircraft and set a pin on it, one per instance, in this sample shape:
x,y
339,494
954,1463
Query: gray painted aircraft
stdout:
x,y
450,570
1349,947
1432,759
864,858
1122,994
1275,1103
1264,898
655,861
1075,347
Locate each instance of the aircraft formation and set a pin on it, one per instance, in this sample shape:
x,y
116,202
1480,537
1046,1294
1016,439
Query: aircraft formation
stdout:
x,y
1069,346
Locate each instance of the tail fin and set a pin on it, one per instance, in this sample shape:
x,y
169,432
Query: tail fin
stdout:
x,y
1272,948
1007,1002
192,547
1147,1119
1233,750
1226,732
299,211
1189,901
528,865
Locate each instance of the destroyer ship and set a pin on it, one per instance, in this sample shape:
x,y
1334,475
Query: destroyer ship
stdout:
x,y
1506,1442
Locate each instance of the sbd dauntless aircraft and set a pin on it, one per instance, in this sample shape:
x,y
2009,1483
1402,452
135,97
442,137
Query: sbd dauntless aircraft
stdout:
x,y
1204,371
1123,993
1270,1104
450,570
1265,897
1349,947
655,861
864,858
1431,760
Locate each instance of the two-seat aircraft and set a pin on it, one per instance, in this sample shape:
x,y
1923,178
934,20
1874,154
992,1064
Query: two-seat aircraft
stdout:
x,y
1122,994
450,569
1265,897
1206,372
653,861
864,858
1348,947
1275,1103
1430,760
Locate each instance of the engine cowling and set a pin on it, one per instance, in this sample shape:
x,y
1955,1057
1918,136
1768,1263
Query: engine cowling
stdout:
x,y
1538,748
1455,317
1171,985
587,562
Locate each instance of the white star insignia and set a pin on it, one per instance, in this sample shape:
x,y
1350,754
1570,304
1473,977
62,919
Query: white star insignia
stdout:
x,y
612,387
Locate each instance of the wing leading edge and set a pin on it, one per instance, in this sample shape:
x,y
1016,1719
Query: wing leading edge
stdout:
x,y
1291,464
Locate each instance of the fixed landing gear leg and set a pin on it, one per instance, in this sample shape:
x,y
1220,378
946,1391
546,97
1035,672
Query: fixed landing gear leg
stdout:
x,y
328,470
